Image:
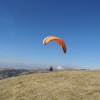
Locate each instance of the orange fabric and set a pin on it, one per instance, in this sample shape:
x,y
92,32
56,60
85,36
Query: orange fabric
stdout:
x,y
60,42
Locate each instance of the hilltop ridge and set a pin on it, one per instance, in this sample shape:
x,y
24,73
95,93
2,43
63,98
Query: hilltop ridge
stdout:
x,y
58,85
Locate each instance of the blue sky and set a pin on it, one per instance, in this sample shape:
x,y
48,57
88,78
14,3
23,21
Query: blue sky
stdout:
x,y
25,23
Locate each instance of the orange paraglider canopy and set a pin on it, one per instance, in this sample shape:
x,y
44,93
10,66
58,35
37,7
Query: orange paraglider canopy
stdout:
x,y
59,40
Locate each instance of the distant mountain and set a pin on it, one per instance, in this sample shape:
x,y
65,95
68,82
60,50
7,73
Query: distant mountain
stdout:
x,y
10,72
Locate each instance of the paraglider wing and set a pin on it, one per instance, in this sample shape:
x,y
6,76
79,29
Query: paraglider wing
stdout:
x,y
53,38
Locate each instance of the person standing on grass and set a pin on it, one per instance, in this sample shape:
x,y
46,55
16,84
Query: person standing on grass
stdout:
x,y
51,69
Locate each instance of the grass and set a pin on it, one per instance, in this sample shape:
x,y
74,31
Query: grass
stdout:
x,y
61,85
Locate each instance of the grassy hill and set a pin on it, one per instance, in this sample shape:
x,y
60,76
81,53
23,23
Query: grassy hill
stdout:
x,y
60,85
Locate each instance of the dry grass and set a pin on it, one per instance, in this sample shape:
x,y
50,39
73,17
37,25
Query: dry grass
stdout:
x,y
62,85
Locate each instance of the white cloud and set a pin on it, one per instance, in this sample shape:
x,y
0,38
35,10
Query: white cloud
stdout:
x,y
60,68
